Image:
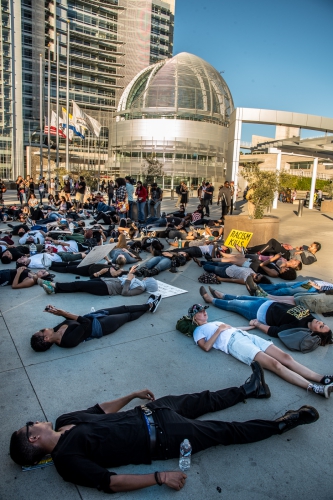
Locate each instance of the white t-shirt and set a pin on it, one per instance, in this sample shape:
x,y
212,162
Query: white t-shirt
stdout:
x,y
64,248
239,273
36,235
36,260
206,249
207,331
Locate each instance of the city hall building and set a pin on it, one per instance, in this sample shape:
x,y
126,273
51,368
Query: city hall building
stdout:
x,y
178,111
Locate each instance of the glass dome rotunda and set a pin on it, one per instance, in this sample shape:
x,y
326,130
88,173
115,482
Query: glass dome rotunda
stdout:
x,y
184,87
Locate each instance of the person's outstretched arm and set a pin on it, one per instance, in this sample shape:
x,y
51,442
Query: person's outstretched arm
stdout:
x,y
126,482
118,404
59,312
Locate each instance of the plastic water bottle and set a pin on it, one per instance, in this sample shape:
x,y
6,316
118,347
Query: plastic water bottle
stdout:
x,y
71,227
92,310
33,249
185,455
179,243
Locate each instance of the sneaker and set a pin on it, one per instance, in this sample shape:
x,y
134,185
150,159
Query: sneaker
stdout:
x,y
327,380
151,299
251,286
327,390
48,288
322,390
42,282
260,292
156,303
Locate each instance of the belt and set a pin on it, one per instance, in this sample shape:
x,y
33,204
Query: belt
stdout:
x,y
151,425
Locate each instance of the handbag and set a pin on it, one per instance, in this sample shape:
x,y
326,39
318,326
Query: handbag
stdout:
x,y
209,278
299,339
4,189
123,207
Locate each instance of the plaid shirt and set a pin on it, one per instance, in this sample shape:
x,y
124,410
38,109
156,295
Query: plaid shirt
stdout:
x,y
121,193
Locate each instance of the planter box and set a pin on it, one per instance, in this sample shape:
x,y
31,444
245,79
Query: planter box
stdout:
x,y
262,229
326,206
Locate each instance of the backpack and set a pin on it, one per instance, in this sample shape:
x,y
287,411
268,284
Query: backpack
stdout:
x,y
299,339
186,326
209,278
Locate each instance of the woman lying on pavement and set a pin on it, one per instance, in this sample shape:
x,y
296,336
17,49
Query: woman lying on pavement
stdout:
x,y
271,266
268,316
251,348
290,289
22,277
112,270
167,261
126,286
76,329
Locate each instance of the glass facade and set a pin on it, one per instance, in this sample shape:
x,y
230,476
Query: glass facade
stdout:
x,y
104,56
5,90
177,111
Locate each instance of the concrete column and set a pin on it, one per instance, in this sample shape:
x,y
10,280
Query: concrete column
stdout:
x,y
278,168
234,139
313,182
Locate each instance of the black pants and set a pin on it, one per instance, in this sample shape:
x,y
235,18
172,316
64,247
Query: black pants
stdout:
x,y
175,416
95,286
272,247
191,251
118,316
206,205
69,267
105,217
225,210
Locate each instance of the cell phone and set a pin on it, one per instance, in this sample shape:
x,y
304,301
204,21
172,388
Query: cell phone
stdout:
x,y
77,277
47,308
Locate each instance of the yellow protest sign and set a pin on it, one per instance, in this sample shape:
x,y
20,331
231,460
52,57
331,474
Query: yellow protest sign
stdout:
x,y
241,238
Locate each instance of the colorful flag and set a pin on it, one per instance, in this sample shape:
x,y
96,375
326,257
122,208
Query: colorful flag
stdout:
x,y
72,129
81,119
53,126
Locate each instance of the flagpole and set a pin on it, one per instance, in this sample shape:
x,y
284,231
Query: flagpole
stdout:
x,y
41,115
57,100
67,99
49,113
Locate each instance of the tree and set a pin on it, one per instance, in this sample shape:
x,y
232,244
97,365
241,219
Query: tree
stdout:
x,y
152,168
265,185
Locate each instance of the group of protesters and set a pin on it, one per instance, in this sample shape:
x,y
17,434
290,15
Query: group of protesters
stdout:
x,y
56,238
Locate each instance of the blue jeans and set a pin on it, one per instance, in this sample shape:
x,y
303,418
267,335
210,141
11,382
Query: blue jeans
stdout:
x,y
244,305
51,218
219,270
141,210
102,207
161,263
41,195
157,204
281,289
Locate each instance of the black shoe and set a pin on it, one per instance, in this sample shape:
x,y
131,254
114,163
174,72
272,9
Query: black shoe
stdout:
x,y
208,257
255,386
156,303
251,286
139,272
293,418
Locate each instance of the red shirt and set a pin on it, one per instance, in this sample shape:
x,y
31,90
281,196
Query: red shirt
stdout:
x,y
141,193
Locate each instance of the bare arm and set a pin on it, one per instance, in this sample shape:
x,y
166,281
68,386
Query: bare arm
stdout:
x,y
261,326
206,346
126,482
118,404
26,283
60,312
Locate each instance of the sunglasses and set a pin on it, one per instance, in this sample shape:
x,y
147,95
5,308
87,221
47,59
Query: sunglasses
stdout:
x,y
28,424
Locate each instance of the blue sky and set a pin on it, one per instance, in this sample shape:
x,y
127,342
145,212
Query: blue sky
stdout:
x,y
275,54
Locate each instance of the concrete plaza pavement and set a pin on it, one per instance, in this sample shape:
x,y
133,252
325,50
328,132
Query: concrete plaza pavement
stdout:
x,y
151,353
